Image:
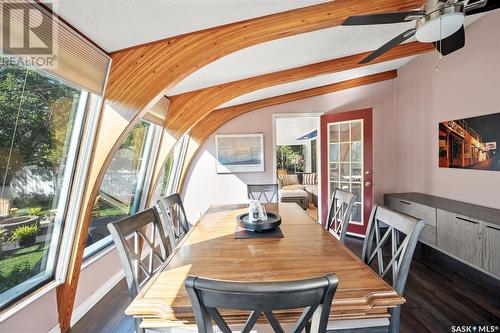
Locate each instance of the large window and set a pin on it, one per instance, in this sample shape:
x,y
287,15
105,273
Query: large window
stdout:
x,y
121,191
40,127
172,169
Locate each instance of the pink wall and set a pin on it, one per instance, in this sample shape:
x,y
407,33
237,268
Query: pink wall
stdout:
x,y
38,317
203,187
466,84
41,316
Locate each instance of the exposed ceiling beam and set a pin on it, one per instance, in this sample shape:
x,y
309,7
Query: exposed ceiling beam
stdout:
x,y
219,117
216,119
187,109
140,74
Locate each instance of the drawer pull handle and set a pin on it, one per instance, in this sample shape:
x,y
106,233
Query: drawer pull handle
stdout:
x,y
466,220
405,202
488,226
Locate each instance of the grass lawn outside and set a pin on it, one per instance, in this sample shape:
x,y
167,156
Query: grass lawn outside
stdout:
x,y
19,265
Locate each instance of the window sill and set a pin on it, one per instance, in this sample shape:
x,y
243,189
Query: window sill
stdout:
x,y
90,259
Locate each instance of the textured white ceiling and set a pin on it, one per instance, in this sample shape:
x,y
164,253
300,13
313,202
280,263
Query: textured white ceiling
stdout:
x,y
318,81
118,24
290,52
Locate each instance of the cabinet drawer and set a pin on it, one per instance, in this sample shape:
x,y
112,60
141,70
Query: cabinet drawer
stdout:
x,y
428,214
460,236
428,235
491,259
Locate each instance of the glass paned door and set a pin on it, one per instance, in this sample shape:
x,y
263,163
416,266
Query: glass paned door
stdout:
x,y
346,163
345,170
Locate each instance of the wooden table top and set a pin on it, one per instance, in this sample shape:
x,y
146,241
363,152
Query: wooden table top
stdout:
x,y
307,250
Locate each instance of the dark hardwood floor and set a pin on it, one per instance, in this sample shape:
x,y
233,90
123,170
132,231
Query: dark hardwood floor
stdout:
x,y
440,292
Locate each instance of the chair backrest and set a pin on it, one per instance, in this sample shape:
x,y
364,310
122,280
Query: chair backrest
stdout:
x,y
131,236
340,212
174,215
387,224
314,295
265,193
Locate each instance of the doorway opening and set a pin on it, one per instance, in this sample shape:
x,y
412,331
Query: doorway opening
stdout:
x,y
296,159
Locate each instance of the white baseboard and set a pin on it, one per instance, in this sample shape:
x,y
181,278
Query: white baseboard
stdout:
x,y
80,311
56,329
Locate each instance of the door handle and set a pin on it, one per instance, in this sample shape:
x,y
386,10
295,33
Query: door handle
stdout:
x,y
368,184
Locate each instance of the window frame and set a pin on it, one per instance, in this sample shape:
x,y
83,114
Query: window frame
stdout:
x,y
83,134
150,153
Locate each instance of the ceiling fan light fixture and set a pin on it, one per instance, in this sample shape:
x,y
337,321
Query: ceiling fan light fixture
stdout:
x,y
440,24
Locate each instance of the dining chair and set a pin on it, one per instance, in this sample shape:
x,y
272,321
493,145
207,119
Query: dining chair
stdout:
x,y
265,193
314,295
132,236
174,216
387,224
340,213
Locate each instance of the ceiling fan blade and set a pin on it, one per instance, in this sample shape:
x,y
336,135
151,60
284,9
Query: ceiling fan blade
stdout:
x,y
389,45
384,18
451,43
472,9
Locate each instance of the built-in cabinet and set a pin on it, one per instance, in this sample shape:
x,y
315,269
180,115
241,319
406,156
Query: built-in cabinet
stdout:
x,y
461,236
468,232
425,213
491,257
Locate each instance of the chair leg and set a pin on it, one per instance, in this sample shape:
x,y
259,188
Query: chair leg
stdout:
x,y
395,316
138,329
308,327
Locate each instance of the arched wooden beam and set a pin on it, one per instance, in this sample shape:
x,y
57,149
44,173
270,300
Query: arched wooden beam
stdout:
x,y
187,109
217,118
142,74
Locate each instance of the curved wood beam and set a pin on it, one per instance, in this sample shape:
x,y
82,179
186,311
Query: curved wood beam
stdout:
x,y
219,117
216,119
187,109
141,75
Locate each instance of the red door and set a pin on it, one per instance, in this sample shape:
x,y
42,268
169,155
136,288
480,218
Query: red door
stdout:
x,y
346,163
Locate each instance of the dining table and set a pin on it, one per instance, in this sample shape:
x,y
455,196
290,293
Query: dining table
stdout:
x,y
306,250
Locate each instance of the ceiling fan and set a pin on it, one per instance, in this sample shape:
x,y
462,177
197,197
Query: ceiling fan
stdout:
x,y
440,22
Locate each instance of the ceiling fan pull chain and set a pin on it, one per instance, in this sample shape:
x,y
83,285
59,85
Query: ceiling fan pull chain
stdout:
x,y
440,56
440,38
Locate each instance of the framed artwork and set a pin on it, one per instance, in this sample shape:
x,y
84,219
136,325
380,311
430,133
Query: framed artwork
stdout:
x,y
239,153
470,143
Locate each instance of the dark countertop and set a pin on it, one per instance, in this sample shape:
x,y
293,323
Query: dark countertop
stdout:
x,y
486,214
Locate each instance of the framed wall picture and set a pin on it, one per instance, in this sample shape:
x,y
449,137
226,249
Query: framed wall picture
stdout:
x,y
239,153
470,143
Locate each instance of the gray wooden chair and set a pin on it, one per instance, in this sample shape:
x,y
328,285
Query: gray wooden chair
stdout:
x,y
340,213
132,236
174,216
387,224
265,193
314,295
